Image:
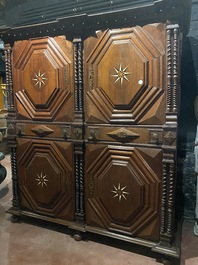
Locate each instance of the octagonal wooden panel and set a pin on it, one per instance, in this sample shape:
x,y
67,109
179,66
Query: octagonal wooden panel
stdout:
x,y
123,189
43,79
46,180
124,81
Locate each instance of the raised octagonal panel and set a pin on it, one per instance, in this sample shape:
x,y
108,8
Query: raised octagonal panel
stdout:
x,y
124,80
123,190
45,87
46,178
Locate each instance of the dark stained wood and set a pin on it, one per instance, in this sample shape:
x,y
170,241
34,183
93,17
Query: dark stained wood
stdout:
x,y
123,187
124,80
93,130
43,79
46,181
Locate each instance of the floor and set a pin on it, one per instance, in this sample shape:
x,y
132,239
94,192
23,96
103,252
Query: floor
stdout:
x,y
39,243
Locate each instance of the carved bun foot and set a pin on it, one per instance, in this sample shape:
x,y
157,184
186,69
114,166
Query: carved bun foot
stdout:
x,y
77,236
15,219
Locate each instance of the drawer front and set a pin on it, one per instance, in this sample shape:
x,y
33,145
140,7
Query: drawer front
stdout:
x,y
125,134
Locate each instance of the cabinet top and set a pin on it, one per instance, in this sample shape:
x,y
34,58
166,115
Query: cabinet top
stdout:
x,y
21,19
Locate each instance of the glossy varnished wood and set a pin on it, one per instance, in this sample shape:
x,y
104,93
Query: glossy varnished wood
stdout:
x,y
46,177
43,79
124,81
93,131
123,188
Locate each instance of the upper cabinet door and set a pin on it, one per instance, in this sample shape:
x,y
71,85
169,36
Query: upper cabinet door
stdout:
x,y
124,76
43,79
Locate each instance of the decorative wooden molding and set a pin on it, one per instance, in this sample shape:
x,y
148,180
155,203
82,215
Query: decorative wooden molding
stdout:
x,y
123,135
79,180
20,129
168,200
11,129
170,137
15,200
175,69
155,137
42,130
8,67
66,132
78,74
172,51
169,68
78,133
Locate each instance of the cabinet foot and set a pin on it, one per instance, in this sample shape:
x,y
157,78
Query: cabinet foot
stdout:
x,y
77,236
15,219
170,261
166,261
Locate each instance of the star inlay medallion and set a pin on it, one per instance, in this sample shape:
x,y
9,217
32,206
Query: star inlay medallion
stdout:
x,y
121,74
120,192
40,79
42,180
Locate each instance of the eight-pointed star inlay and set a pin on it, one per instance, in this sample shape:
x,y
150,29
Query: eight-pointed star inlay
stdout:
x,y
42,180
120,192
121,74
39,79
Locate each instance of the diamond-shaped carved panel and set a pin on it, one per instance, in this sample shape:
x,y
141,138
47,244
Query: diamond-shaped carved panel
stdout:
x,y
46,177
124,80
123,135
123,189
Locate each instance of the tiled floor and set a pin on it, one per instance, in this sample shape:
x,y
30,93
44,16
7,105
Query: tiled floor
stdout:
x,y
30,243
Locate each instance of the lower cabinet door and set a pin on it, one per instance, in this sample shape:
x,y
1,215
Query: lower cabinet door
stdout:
x,y
45,177
123,189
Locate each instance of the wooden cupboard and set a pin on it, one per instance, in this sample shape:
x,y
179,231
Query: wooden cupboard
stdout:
x,y
93,130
